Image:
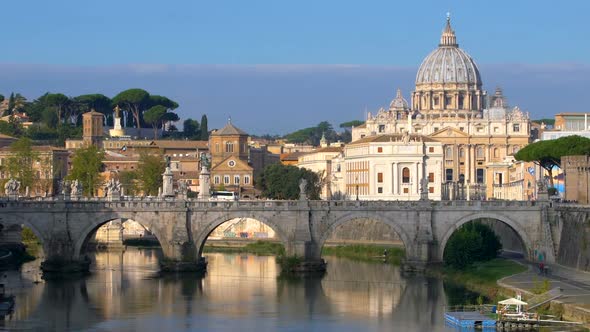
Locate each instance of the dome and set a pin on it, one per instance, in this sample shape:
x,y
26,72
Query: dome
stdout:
x,y
448,63
399,102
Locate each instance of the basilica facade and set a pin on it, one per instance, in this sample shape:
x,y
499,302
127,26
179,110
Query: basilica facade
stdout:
x,y
478,133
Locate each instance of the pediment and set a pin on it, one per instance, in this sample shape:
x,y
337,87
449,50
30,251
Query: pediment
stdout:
x,y
226,165
449,132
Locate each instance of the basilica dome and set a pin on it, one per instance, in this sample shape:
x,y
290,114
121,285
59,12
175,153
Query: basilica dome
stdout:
x,y
448,63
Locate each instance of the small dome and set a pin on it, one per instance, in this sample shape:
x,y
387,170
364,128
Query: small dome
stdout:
x,y
399,102
448,63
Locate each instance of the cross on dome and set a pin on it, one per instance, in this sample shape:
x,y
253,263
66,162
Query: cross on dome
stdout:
x,y
448,37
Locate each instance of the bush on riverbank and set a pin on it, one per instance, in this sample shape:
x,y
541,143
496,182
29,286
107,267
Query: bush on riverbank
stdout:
x,y
366,253
472,242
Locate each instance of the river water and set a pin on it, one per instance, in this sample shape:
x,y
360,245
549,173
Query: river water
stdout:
x,y
240,292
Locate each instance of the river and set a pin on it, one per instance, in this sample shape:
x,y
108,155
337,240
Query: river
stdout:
x,y
240,292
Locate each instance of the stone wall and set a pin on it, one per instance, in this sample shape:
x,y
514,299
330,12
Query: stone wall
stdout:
x,y
364,231
574,247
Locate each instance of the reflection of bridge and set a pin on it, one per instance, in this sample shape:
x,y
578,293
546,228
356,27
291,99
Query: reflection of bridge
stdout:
x,y
182,227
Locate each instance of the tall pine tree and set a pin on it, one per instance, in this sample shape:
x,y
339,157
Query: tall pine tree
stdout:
x,y
204,130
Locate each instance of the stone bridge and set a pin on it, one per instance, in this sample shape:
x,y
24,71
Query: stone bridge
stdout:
x,y
182,226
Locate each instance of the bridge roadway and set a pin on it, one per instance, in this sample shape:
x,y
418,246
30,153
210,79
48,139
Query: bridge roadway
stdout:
x,y
182,226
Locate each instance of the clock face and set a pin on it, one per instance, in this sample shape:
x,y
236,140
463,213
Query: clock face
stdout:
x,y
231,163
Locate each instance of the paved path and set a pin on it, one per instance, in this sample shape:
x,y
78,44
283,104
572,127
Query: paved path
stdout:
x,y
575,284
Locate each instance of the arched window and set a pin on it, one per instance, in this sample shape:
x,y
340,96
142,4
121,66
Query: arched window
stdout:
x,y
406,175
462,153
479,152
229,147
449,153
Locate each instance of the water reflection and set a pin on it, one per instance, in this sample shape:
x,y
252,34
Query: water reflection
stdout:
x,y
240,292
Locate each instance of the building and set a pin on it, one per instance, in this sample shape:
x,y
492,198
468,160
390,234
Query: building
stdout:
x,y
478,133
568,124
230,168
577,179
320,162
50,166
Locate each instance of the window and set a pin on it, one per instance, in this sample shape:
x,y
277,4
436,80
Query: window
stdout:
x,y
431,177
480,175
479,152
226,179
363,136
461,153
461,102
229,147
435,129
515,149
435,101
496,129
380,177
431,190
246,179
449,174
431,149
516,127
461,178
236,179
381,128
406,175
379,149
406,190
216,179
380,190
449,153
448,100
496,153
216,147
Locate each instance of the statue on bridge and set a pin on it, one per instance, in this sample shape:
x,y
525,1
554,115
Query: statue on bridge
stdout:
x,y
11,187
302,189
205,163
182,187
112,187
76,188
64,187
424,189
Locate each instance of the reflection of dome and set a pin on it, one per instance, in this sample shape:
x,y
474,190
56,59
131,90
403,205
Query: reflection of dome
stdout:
x,y
448,63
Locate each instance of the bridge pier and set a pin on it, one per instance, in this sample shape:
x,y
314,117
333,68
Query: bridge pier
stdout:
x,y
182,257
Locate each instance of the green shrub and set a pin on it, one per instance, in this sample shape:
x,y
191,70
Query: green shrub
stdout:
x,y
472,242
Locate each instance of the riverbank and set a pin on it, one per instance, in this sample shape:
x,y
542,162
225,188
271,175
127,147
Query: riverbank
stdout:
x,y
262,248
367,253
481,277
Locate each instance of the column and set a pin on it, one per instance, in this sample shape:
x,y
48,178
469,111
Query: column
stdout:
x,y
395,179
416,184
391,182
467,150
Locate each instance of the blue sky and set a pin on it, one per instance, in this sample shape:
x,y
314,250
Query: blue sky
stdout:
x,y
203,53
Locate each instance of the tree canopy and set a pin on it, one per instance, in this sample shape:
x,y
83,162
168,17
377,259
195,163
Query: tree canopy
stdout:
x,y
313,135
86,168
350,124
278,181
149,173
547,154
20,165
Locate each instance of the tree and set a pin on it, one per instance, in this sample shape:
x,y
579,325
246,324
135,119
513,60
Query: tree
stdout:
x,y
312,135
168,103
60,103
472,242
149,173
135,101
547,154
167,118
1,98
97,102
204,129
191,129
279,181
10,103
86,168
128,181
20,165
153,116
350,124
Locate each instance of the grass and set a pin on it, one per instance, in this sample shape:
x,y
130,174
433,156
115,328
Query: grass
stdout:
x,y
261,248
481,277
361,252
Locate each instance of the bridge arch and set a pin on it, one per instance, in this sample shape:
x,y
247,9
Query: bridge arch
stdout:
x,y
526,241
351,216
12,219
102,219
203,234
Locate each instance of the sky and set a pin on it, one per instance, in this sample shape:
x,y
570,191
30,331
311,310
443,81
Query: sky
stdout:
x,y
277,66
